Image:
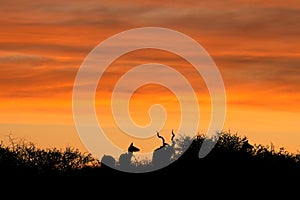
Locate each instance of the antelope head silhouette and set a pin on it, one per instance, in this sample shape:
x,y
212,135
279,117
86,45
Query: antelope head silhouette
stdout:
x,y
125,158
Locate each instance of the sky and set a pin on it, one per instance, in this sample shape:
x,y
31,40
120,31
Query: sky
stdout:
x,y
254,44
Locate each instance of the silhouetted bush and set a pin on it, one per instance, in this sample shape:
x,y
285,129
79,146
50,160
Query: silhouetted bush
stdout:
x,y
26,159
232,156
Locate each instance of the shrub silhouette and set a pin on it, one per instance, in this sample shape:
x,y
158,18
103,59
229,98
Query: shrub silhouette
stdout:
x,y
232,157
26,159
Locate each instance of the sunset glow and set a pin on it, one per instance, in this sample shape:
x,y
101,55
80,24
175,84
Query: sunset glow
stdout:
x,y
255,45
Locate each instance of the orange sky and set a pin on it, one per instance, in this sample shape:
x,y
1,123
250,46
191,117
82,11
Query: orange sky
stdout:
x,y
255,45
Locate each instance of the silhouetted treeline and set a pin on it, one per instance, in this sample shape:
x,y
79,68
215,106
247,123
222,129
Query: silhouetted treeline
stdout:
x,y
233,157
25,159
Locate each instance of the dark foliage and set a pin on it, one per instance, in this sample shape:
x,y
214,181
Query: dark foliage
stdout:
x,y
25,159
232,158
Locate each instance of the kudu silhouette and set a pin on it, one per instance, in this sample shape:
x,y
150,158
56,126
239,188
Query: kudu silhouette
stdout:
x,y
124,162
163,155
125,158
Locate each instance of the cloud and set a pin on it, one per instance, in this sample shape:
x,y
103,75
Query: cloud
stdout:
x,y
262,70
254,44
24,75
45,48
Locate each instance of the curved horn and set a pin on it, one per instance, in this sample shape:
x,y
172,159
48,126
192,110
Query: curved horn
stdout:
x,y
172,139
163,139
173,135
